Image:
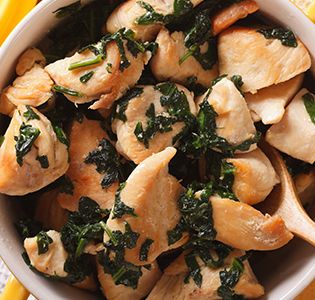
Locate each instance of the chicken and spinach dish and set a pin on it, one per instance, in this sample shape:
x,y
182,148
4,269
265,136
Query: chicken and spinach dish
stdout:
x,y
135,131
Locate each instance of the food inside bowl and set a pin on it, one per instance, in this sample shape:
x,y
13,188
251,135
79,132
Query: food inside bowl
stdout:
x,y
135,130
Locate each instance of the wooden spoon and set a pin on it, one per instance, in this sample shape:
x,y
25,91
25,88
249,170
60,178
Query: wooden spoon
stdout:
x,y
284,200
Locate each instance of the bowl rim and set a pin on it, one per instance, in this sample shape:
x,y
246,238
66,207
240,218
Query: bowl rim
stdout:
x,y
303,281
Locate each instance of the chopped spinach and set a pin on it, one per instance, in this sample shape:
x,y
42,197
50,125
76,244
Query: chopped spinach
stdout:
x,y
86,77
43,160
196,214
66,91
178,110
151,16
43,241
286,36
65,185
68,10
196,220
221,173
144,250
181,7
229,279
61,136
238,82
122,103
107,162
25,140
78,268
120,208
203,136
86,63
195,36
85,19
121,37
176,102
156,123
89,212
192,85
121,271
30,114
194,269
309,103
82,227
27,227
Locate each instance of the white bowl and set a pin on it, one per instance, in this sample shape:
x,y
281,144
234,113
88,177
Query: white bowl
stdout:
x,y
284,273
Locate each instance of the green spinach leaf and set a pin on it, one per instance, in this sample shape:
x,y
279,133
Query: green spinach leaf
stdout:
x,y
43,241
309,103
286,36
25,140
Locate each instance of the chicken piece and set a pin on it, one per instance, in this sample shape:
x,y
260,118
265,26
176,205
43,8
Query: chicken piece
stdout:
x,y
120,292
254,177
243,227
52,262
88,283
126,16
32,88
261,62
268,104
295,133
108,82
172,286
49,212
31,155
305,185
28,59
234,122
165,64
152,193
84,177
231,14
6,107
127,143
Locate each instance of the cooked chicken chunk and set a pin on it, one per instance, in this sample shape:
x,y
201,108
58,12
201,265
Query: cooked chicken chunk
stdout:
x,y
231,14
254,177
136,111
31,155
108,82
6,107
120,292
261,62
32,88
268,104
234,122
28,59
52,262
84,138
166,65
243,227
172,286
126,16
152,193
295,133
305,185
49,212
